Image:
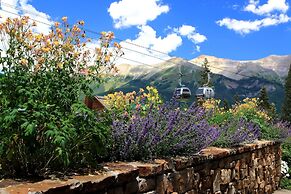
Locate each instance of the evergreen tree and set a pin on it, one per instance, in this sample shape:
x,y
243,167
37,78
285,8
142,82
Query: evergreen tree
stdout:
x,y
264,99
264,103
225,105
286,109
236,99
204,74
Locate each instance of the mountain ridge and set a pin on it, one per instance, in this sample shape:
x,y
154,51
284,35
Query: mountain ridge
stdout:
x,y
227,79
273,66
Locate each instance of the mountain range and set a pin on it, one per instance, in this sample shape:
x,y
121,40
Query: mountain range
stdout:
x,y
229,77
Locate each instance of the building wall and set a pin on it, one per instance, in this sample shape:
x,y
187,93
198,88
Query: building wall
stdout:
x,y
93,103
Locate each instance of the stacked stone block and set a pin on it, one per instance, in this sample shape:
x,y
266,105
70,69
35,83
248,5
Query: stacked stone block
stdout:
x,y
249,169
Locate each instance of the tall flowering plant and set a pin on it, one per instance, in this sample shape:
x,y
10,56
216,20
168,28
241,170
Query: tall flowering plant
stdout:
x,y
43,124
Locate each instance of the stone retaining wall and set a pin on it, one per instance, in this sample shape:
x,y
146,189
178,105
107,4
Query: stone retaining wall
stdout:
x,y
252,168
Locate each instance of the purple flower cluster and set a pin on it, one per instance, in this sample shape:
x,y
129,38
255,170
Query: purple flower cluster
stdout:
x,y
237,132
284,130
166,131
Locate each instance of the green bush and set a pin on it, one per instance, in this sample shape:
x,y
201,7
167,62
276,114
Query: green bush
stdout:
x,y
43,124
285,183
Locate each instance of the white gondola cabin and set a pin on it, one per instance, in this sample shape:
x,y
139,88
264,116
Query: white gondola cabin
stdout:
x,y
205,92
182,93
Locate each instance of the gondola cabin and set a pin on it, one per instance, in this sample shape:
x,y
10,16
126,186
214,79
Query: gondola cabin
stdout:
x,y
205,92
182,93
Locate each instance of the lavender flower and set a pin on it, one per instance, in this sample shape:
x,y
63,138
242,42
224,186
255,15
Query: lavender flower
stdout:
x,y
283,129
237,132
165,131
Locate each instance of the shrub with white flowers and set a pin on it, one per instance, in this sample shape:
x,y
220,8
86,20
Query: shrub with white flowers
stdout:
x,y
284,169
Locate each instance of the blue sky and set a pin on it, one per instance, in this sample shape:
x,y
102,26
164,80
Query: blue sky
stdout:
x,y
235,29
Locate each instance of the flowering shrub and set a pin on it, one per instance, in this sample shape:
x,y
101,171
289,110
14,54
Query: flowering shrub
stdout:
x,y
247,111
122,103
270,128
164,132
284,169
237,132
250,110
43,124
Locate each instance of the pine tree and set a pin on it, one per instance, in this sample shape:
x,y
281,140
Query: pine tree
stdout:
x,y
264,99
236,99
225,105
265,104
204,74
286,109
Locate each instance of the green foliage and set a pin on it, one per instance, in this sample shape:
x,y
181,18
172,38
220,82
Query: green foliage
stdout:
x,y
286,156
286,108
286,152
44,126
285,183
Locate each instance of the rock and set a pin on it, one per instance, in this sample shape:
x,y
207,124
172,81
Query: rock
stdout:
x,y
146,185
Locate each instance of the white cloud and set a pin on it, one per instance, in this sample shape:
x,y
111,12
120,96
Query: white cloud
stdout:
x,y
45,19
22,7
274,12
149,39
197,48
240,26
197,38
191,33
245,27
126,13
266,9
185,30
235,7
10,9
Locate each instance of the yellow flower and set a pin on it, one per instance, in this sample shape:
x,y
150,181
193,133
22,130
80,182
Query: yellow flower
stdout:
x,y
56,43
60,35
37,67
24,61
81,23
57,24
40,60
107,58
76,54
117,45
64,19
24,21
38,37
45,49
60,65
59,30
76,29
